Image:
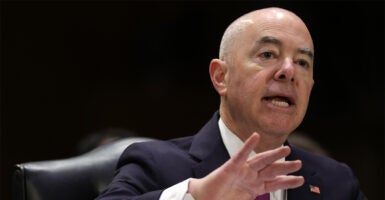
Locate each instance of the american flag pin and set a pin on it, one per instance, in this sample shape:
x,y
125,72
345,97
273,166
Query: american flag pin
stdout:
x,y
314,189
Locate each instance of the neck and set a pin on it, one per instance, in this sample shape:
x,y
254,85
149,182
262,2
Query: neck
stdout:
x,y
269,142
266,142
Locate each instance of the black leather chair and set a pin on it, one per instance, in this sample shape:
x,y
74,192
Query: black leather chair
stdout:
x,y
82,177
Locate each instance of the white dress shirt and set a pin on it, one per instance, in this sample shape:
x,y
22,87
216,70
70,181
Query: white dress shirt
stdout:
x,y
233,144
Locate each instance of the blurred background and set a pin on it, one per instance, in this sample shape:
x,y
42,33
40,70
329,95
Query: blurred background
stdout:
x,y
70,69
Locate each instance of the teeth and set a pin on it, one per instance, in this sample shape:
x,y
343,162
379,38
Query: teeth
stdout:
x,y
280,103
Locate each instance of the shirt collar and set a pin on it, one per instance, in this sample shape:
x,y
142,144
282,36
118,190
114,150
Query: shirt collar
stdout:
x,y
233,144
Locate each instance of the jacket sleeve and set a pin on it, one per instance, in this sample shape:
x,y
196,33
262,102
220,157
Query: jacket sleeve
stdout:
x,y
359,194
135,177
351,184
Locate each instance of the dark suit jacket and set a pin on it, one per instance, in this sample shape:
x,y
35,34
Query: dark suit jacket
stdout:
x,y
146,169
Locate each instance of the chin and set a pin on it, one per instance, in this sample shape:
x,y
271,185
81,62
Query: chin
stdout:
x,y
280,129
278,132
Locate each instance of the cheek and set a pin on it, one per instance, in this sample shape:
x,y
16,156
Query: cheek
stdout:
x,y
247,81
251,87
306,80
309,87
305,95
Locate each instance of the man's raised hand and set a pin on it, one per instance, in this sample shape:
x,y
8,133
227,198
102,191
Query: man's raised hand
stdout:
x,y
243,179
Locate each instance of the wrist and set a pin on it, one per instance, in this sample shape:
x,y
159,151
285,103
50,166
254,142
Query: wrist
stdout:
x,y
192,184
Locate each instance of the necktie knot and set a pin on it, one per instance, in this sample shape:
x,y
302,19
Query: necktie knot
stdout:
x,y
265,196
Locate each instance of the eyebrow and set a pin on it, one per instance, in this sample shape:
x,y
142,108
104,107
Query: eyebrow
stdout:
x,y
273,40
307,52
269,39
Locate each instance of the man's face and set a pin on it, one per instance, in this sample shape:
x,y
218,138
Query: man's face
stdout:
x,y
269,76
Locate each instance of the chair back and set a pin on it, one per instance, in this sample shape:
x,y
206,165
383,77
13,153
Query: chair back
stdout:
x,y
77,178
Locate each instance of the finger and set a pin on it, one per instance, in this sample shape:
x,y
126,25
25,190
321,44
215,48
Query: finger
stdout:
x,y
263,159
284,182
249,146
279,168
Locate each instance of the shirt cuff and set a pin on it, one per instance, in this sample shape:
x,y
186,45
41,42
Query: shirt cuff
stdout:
x,y
177,192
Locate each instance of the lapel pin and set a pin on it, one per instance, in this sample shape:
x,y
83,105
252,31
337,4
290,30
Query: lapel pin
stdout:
x,y
315,189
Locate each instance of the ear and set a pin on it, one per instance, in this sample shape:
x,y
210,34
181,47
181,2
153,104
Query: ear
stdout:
x,y
217,72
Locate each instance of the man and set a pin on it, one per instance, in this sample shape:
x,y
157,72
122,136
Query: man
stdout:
x,y
264,76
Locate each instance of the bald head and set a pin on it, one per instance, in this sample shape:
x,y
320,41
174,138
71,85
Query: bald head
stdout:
x,y
257,19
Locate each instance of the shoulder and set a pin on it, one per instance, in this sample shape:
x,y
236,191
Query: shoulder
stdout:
x,y
153,161
320,162
338,177
152,151
329,170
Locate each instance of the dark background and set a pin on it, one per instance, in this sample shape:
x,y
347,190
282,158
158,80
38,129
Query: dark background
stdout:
x,y
71,68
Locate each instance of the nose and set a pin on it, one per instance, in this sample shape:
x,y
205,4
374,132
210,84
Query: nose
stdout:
x,y
286,71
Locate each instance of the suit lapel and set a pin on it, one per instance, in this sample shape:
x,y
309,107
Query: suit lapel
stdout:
x,y
211,162
312,188
208,149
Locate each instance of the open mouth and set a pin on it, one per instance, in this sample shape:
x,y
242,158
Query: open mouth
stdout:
x,y
280,101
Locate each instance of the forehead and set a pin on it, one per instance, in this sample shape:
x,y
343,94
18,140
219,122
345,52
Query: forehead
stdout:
x,y
286,28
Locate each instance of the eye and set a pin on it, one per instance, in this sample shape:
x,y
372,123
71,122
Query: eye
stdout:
x,y
303,63
267,55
